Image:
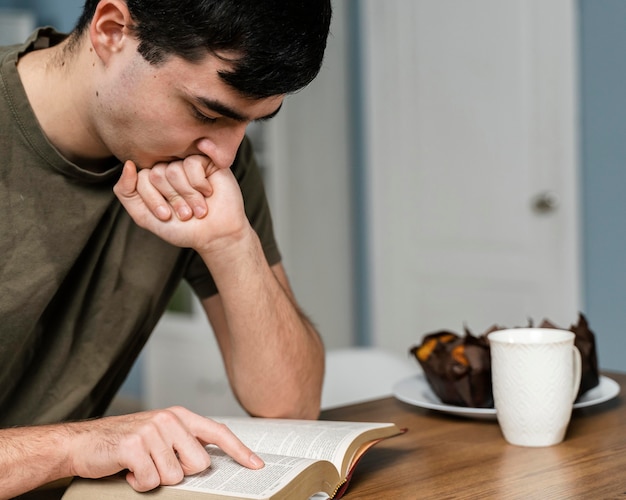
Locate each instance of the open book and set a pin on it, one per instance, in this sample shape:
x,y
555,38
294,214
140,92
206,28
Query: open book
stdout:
x,y
302,458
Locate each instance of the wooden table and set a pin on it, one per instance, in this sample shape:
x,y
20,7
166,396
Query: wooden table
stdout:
x,y
447,457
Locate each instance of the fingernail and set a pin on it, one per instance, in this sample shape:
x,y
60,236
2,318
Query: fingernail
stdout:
x,y
199,211
256,460
162,212
184,213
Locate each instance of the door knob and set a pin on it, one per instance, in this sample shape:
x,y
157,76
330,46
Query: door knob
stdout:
x,y
545,202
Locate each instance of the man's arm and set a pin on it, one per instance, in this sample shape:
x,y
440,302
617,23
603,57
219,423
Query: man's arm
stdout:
x,y
273,355
156,447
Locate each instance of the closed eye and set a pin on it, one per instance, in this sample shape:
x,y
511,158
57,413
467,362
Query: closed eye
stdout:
x,y
201,117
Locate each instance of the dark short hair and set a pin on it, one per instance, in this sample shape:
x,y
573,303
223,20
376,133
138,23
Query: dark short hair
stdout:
x,y
281,42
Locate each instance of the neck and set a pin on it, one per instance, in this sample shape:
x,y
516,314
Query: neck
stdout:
x,y
58,89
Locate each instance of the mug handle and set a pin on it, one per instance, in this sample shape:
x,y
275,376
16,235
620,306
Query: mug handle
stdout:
x,y
577,372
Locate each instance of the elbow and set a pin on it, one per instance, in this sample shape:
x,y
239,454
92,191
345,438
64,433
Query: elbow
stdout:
x,y
304,407
302,402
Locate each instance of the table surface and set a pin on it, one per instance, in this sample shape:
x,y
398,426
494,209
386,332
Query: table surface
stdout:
x,y
448,457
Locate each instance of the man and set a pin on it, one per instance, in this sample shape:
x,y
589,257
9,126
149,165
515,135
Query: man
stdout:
x,y
91,251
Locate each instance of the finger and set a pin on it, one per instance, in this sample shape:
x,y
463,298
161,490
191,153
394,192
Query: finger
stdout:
x,y
231,444
179,453
211,169
127,189
170,469
210,431
142,484
197,169
159,192
142,472
187,179
150,452
152,195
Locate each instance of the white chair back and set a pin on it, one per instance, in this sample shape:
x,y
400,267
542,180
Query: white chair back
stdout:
x,y
359,374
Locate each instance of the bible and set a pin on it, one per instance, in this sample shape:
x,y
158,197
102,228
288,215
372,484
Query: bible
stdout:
x,y
302,458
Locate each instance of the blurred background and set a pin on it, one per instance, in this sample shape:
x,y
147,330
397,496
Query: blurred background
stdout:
x,y
455,164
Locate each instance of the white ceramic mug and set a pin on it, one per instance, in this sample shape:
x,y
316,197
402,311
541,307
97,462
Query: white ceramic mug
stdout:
x,y
536,375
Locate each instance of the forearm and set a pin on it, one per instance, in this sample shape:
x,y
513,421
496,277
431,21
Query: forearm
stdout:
x,y
273,355
31,457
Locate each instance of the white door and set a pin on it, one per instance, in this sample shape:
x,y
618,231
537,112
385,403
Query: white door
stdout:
x,y
472,167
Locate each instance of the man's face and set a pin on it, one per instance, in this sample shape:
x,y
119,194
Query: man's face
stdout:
x,y
152,114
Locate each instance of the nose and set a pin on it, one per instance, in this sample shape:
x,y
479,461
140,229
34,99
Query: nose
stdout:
x,y
221,145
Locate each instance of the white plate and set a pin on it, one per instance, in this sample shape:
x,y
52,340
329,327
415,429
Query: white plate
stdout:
x,y
415,390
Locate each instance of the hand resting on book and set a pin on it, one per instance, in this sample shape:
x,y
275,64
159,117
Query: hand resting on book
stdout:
x,y
157,448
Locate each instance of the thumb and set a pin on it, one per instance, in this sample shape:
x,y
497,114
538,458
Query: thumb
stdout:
x,y
126,186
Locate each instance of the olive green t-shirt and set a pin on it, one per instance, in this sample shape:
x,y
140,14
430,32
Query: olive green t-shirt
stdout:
x,y
81,286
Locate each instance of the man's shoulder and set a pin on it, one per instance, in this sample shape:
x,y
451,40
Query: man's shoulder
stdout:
x,y
41,38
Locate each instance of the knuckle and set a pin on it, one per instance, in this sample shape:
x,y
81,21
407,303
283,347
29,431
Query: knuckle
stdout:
x,y
164,418
173,172
196,466
196,459
222,430
156,174
198,183
172,476
148,483
134,442
194,161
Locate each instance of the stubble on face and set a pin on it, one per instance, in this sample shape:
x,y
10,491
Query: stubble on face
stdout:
x,y
136,114
149,112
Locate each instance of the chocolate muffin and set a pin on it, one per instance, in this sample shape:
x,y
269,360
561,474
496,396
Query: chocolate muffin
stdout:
x,y
458,368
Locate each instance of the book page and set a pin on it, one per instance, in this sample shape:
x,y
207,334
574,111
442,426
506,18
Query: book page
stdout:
x,y
282,478
315,439
226,477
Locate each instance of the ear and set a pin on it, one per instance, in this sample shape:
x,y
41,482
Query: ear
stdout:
x,y
110,28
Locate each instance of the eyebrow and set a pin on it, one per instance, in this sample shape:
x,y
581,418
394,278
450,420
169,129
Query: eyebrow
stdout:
x,y
228,112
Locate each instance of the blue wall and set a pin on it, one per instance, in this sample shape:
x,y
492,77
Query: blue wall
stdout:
x,y
62,14
603,153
